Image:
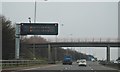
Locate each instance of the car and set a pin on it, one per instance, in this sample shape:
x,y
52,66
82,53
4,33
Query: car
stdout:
x,y
67,60
93,60
115,62
82,62
77,61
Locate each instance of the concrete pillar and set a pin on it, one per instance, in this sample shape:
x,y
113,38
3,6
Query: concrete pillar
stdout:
x,y
17,41
55,54
49,53
108,53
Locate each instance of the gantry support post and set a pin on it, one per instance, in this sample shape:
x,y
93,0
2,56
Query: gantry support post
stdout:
x,y
49,54
17,41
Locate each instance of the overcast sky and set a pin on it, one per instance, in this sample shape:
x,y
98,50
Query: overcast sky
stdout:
x,y
80,19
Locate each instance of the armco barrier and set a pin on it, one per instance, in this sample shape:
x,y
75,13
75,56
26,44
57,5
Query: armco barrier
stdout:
x,y
15,63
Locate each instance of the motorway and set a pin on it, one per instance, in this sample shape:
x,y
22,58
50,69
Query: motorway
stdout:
x,y
91,67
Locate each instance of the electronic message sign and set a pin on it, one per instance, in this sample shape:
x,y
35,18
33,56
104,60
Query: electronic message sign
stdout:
x,y
39,29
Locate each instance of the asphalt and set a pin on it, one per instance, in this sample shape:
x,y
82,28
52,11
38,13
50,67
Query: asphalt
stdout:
x,y
91,67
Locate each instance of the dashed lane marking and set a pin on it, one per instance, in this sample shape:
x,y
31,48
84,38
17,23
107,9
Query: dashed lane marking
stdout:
x,y
91,69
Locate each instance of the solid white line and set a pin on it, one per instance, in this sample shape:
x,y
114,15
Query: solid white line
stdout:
x,y
32,68
39,67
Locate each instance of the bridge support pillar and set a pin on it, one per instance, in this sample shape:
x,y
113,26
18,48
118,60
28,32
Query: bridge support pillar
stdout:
x,y
55,55
49,53
108,53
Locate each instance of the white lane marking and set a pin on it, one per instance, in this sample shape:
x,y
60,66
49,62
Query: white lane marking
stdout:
x,y
65,68
39,67
49,66
91,69
32,68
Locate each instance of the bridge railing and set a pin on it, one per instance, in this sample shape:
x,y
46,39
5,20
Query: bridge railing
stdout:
x,y
83,39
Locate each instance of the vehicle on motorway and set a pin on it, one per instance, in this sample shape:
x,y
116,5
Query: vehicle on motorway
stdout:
x,y
118,60
82,62
77,61
115,62
67,60
93,60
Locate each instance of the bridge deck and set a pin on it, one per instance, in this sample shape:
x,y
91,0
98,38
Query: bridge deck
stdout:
x,y
76,44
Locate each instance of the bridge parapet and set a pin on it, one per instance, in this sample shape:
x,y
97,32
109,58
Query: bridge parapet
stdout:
x,y
83,39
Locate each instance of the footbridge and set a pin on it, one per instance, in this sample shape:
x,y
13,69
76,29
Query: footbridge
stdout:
x,y
78,42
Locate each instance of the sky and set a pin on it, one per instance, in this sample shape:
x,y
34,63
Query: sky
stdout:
x,y
76,19
60,0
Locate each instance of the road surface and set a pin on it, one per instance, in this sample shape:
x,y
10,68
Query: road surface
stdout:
x,y
91,67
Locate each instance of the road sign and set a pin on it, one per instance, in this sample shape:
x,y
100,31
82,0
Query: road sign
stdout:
x,y
39,29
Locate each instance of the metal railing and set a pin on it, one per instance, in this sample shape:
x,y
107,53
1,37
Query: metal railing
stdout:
x,y
13,63
83,39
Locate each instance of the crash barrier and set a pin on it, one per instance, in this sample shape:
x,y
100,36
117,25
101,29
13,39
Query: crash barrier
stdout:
x,y
14,63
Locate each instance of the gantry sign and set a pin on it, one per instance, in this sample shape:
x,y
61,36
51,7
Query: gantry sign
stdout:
x,y
33,29
39,29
